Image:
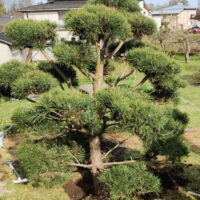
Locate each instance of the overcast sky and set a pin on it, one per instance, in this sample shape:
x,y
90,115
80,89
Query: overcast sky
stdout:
x,y
192,2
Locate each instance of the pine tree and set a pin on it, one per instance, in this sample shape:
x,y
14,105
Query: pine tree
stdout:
x,y
107,31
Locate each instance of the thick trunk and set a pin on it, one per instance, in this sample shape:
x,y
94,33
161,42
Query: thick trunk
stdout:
x,y
96,161
58,70
98,83
29,56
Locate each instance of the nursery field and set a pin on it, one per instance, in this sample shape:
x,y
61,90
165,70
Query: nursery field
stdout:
x,y
176,185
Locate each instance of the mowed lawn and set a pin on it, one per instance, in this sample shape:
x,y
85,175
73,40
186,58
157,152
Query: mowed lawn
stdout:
x,y
191,92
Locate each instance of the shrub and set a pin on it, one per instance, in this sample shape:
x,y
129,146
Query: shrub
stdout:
x,y
68,71
125,182
34,82
9,72
141,25
160,70
44,163
30,33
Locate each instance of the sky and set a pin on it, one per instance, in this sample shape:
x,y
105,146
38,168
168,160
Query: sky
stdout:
x,y
191,2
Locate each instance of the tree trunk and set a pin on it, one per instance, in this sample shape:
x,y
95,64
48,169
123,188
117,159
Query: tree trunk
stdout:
x,y
98,83
58,70
96,161
187,53
29,56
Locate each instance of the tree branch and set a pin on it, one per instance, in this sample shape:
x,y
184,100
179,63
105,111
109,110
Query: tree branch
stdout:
x,y
80,165
121,163
123,77
115,147
74,157
58,70
87,74
141,83
116,50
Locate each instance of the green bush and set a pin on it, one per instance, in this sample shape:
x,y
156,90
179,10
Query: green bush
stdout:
x,y
44,163
31,34
141,25
68,71
34,82
162,71
9,72
127,181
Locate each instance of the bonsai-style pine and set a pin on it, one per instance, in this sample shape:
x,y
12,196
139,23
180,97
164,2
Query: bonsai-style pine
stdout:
x,y
100,26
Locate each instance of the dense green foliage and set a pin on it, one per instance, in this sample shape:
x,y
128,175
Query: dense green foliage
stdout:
x,y
9,72
141,25
69,108
33,82
155,125
95,22
125,182
76,54
68,71
126,5
44,163
31,34
162,71
99,25
133,112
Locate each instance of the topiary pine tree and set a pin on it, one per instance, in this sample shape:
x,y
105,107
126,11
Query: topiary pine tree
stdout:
x,y
34,35
100,24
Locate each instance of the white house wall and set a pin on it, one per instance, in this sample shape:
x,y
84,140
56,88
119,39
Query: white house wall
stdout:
x,y
39,16
5,53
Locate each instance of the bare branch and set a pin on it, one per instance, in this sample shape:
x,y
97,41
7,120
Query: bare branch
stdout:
x,y
121,163
76,159
116,50
80,165
87,74
124,77
115,147
141,83
58,70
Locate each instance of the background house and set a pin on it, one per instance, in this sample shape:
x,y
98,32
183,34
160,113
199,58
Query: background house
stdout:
x,y
8,52
54,11
178,17
4,19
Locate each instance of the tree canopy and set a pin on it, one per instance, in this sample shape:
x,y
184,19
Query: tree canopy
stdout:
x,y
104,28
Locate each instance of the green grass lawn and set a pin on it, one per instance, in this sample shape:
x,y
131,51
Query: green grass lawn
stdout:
x,y
191,92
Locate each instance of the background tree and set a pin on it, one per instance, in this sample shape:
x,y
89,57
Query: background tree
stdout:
x,y
99,25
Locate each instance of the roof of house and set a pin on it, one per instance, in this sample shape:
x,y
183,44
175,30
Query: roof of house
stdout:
x,y
61,5
4,19
4,39
173,10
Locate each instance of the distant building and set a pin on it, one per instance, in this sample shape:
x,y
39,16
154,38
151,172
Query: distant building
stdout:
x,y
196,20
54,11
178,17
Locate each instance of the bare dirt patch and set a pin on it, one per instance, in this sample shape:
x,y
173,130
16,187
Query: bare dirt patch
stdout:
x,y
192,137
